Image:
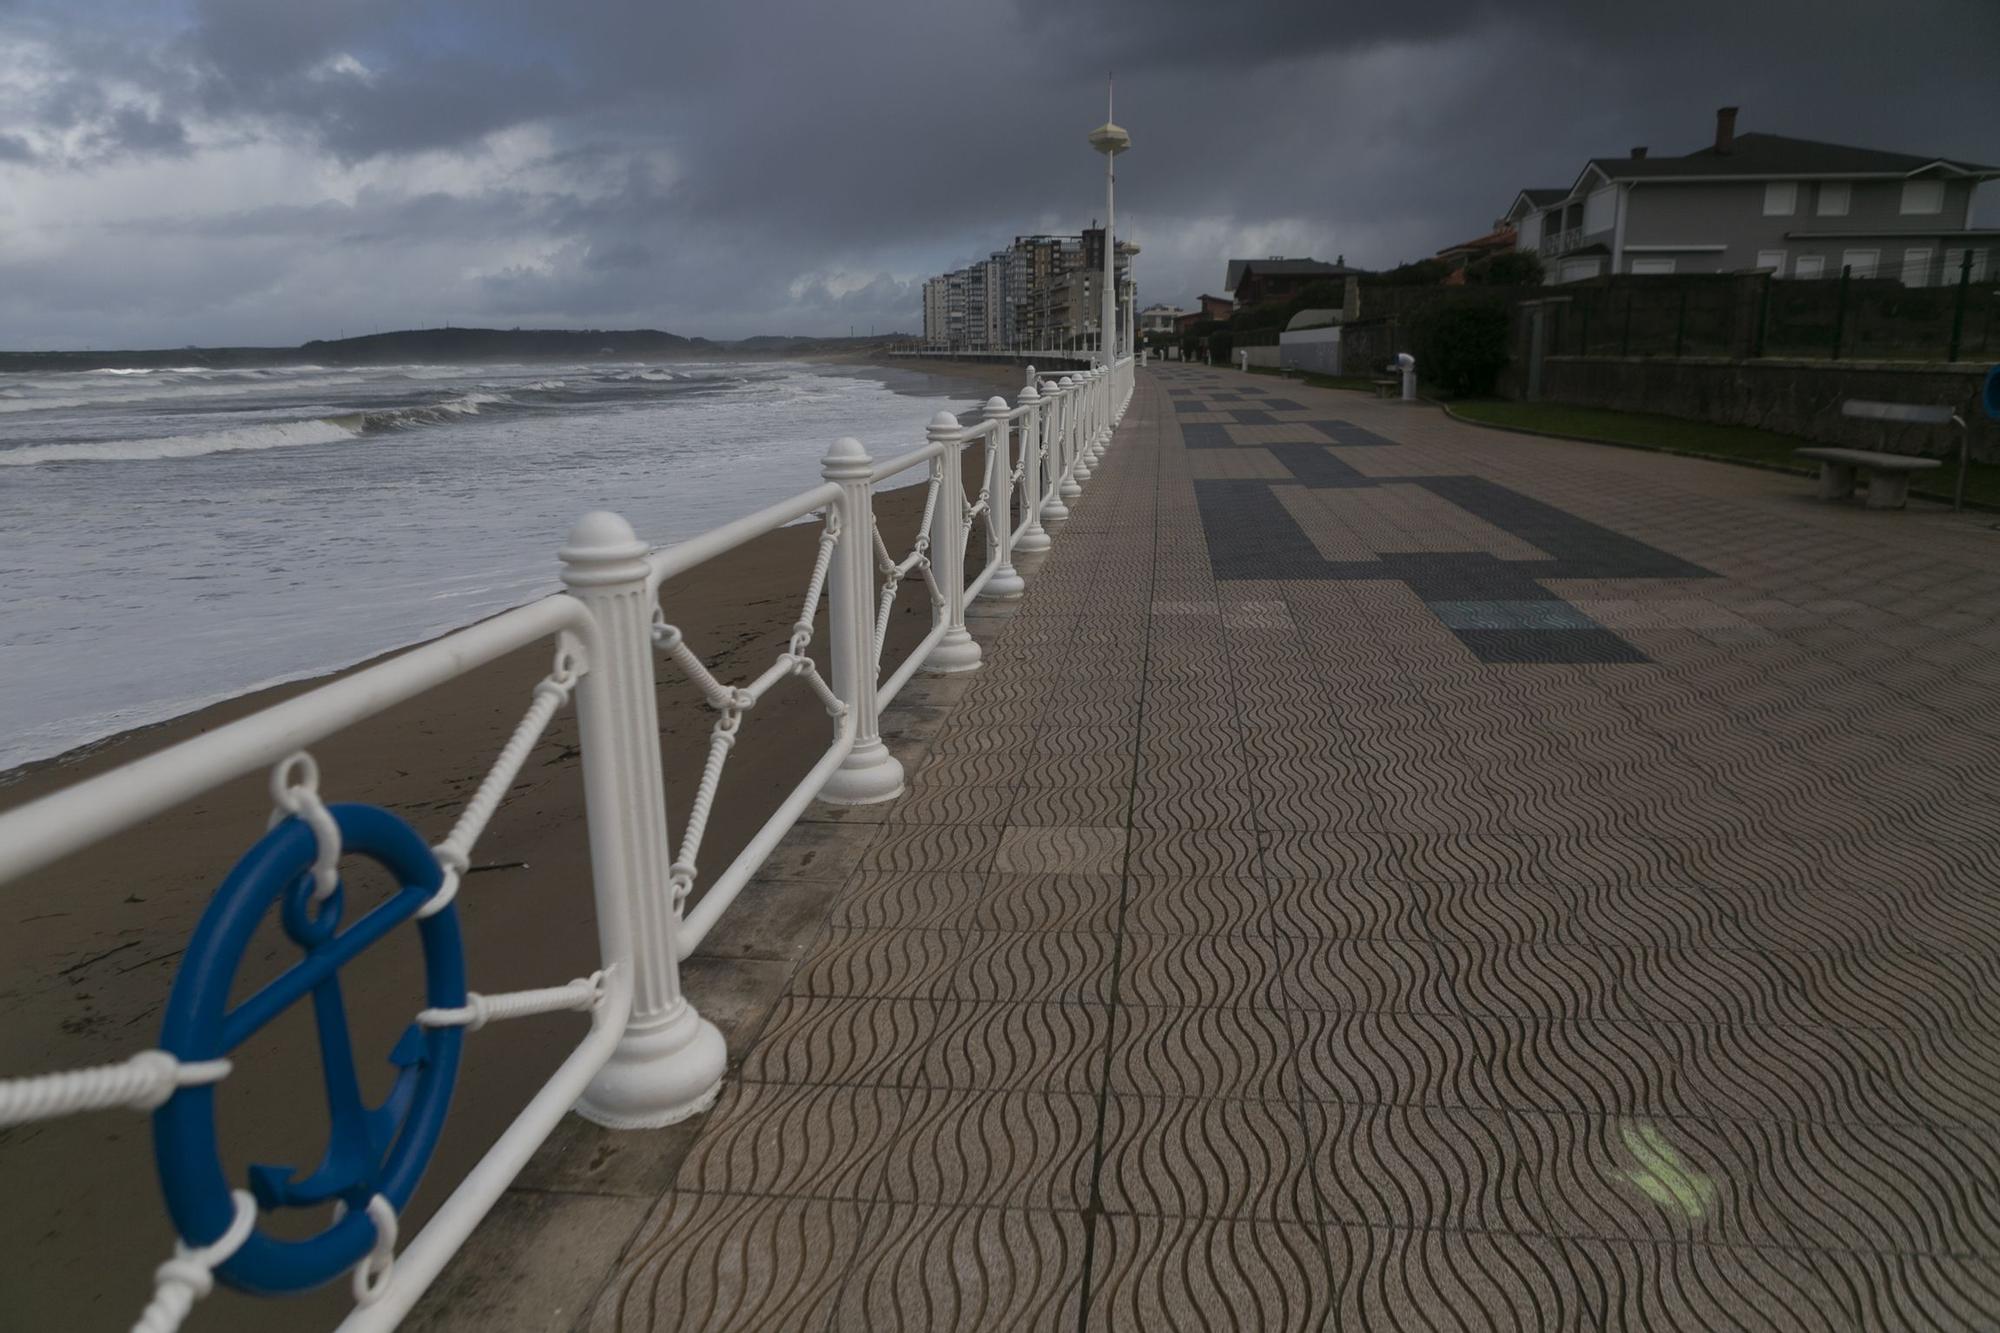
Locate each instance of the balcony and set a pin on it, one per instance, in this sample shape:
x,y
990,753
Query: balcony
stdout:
x,y
1561,242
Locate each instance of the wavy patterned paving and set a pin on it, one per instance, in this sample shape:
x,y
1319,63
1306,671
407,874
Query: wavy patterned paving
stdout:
x,y
1389,875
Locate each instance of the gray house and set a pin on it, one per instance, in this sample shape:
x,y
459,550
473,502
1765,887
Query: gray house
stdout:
x,y
1799,208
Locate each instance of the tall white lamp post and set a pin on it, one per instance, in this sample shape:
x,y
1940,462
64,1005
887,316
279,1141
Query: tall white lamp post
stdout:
x,y
1110,140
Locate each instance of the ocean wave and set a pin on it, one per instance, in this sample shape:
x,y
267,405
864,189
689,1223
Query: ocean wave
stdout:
x,y
267,435
12,404
654,376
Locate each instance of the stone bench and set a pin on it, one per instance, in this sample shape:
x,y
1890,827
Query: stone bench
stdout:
x,y
1387,388
1888,474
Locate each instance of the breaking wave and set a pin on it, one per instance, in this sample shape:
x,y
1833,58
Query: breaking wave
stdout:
x,y
265,435
270,435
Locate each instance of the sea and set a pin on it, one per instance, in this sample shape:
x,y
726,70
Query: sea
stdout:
x,y
172,537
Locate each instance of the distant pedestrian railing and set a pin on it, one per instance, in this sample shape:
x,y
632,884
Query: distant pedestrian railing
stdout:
x,y
649,1059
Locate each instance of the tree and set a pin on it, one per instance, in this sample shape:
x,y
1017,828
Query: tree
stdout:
x,y
1509,268
1461,345
1420,273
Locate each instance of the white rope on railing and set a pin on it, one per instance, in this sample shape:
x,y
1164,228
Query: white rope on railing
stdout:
x,y
479,1010
300,796
894,571
371,1275
455,852
802,628
141,1083
669,640
733,702
190,1274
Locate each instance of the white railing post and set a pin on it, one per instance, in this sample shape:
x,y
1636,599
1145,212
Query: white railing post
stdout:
x,y
869,773
1103,388
1075,407
1055,406
1033,536
669,1063
1006,583
1086,438
957,650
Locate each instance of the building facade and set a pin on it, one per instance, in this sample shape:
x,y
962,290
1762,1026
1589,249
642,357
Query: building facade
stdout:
x,y
1797,207
1254,281
1041,292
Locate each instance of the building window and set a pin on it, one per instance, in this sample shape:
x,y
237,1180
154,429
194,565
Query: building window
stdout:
x,y
1917,266
1833,197
1773,260
1954,259
1600,210
1781,198
1652,266
1860,263
1923,196
1576,270
1810,266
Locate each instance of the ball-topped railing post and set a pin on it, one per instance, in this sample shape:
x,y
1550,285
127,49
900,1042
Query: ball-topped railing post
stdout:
x,y
669,1063
1006,582
1075,409
1034,537
869,773
957,650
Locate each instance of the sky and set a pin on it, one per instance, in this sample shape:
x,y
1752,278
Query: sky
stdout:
x,y
266,171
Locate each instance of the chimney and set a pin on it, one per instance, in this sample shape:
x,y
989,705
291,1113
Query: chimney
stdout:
x,y
1638,152
1725,129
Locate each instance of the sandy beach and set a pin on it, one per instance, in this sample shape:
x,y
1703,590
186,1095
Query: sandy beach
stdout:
x,y
91,944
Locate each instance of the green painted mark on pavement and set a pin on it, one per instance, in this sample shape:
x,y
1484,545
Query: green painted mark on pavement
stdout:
x,y
1667,1179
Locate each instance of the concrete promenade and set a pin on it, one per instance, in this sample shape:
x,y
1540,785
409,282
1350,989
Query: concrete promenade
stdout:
x,y
1388,874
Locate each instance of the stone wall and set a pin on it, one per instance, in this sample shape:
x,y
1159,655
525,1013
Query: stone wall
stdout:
x,y
1795,397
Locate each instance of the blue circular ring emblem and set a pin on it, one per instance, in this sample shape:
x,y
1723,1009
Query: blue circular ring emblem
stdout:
x,y
370,1149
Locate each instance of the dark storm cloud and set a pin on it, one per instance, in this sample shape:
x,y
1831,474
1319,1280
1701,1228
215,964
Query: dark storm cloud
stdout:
x,y
733,168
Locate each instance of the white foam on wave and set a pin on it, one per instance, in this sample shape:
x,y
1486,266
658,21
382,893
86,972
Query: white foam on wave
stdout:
x,y
269,435
11,404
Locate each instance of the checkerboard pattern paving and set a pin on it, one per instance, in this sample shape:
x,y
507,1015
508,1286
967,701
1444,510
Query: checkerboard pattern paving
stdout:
x,y
1390,874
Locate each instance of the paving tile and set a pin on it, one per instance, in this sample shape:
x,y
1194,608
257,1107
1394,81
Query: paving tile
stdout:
x,y
1013,902
1195,1157
925,1267
994,1149
1397,1278
976,1044
720,1261
1061,850
830,1142
1638,1285
1209,1052
1164,1272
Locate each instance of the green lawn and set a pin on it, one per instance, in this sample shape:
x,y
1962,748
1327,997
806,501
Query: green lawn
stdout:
x,y
1360,383
1730,444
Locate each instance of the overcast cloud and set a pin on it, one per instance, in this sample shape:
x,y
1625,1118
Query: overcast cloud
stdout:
x,y
258,171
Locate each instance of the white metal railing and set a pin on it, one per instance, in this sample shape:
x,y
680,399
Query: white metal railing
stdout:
x,y
649,1058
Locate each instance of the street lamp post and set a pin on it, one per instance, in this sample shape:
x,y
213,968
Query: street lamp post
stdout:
x,y
1110,140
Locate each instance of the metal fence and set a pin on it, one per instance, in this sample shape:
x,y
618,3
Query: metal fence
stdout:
x,y
648,1058
1757,315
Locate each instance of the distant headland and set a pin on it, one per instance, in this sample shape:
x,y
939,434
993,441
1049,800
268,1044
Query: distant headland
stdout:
x,y
454,345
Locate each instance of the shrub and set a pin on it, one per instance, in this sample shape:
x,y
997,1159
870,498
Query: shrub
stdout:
x,y
1509,268
1461,346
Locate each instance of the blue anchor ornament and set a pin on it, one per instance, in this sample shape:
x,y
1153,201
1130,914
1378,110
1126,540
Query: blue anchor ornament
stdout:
x,y
370,1150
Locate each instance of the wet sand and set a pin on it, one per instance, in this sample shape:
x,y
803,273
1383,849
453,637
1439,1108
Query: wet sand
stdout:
x,y
90,945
